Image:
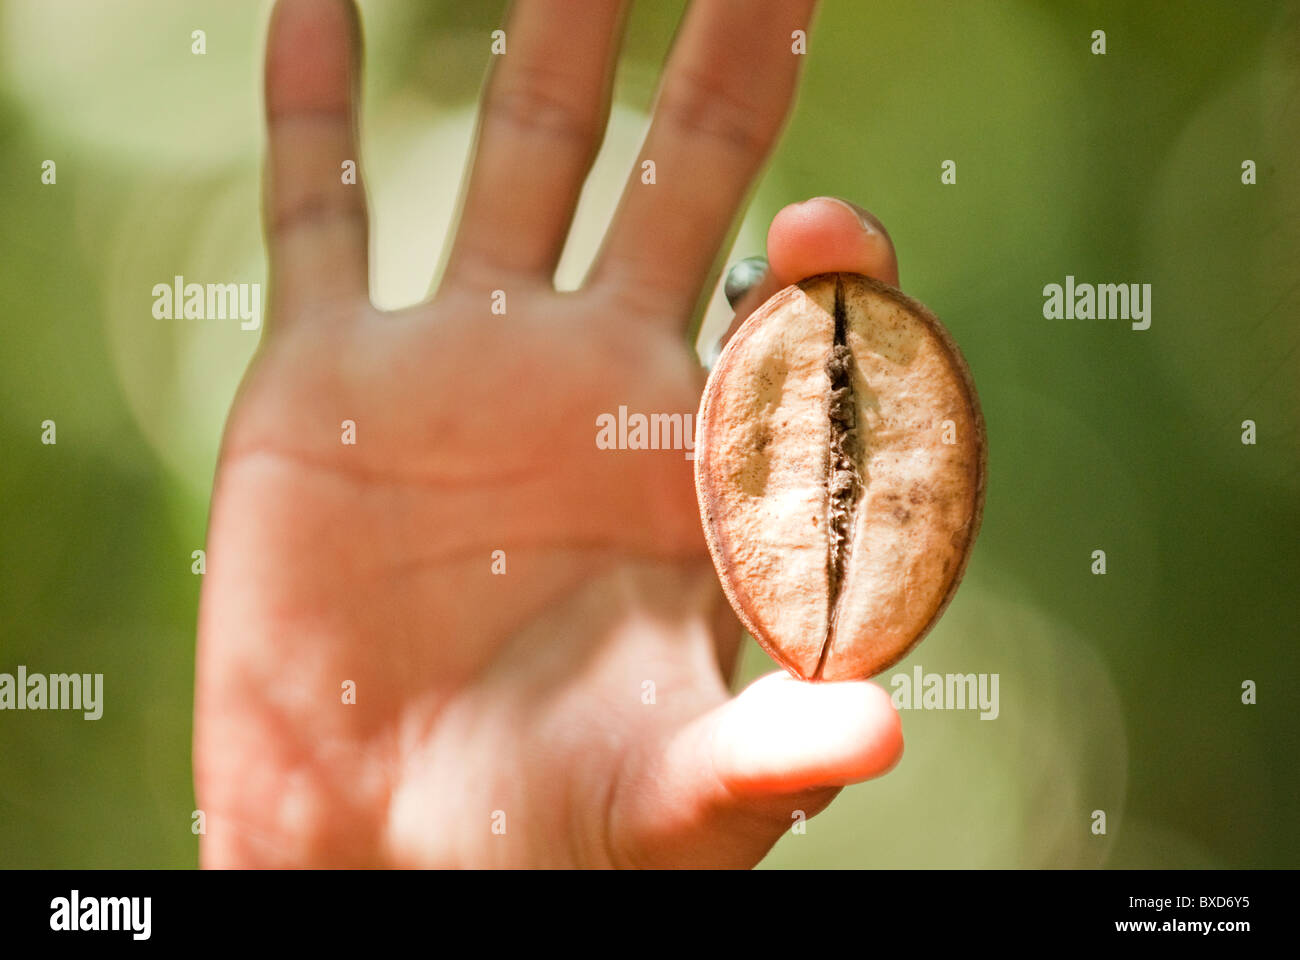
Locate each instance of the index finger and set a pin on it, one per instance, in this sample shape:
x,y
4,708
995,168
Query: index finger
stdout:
x,y
821,235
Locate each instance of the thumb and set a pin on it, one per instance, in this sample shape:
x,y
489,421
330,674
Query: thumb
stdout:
x,y
722,789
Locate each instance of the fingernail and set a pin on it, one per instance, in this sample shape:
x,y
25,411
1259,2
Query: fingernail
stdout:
x,y
869,223
743,277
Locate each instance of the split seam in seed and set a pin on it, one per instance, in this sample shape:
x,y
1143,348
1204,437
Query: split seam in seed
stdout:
x,y
844,483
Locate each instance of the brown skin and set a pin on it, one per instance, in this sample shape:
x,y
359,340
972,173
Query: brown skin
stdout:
x,y
371,563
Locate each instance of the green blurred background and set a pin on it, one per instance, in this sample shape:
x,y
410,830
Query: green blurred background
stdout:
x,y
1119,692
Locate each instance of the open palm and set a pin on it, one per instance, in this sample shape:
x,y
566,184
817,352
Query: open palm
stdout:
x,y
472,637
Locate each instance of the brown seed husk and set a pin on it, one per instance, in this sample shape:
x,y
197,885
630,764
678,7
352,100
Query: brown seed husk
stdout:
x,y
770,439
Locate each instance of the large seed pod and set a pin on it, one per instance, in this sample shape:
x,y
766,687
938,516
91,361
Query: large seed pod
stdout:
x,y
840,465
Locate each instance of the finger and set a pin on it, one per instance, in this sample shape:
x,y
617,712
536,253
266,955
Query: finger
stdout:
x,y
749,282
317,228
727,88
726,787
543,118
728,638
821,235
746,303
826,234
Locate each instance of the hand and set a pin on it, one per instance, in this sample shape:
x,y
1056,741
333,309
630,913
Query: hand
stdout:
x,y
508,701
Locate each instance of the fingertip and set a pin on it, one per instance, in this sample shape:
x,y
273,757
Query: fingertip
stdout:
x,y
316,219
312,56
782,735
827,234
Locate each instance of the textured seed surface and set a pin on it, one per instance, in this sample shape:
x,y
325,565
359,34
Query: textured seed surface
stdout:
x,y
839,519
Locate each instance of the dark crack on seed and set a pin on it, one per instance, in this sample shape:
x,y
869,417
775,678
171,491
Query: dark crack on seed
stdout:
x,y
843,479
